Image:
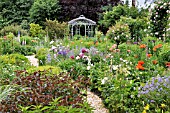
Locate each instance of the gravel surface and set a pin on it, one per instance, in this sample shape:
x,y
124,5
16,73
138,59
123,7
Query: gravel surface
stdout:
x,y
33,60
96,103
92,99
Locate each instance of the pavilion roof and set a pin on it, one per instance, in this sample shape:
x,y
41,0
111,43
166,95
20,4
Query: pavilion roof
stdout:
x,y
81,20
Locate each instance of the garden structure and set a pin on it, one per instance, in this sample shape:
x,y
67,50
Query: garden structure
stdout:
x,y
82,26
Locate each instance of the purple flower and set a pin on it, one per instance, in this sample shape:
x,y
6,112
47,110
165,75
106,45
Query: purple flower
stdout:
x,y
159,79
135,42
152,101
64,53
48,58
153,41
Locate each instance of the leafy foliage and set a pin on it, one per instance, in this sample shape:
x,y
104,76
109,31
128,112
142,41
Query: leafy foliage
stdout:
x,y
159,18
41,10
14,11
89,8
56,29
119,33
50,69
109,17
12,29
137,27
40,90
36,30
156,87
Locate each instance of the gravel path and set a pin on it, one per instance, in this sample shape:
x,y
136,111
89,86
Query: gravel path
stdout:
x,y
33,60
92,99
96,103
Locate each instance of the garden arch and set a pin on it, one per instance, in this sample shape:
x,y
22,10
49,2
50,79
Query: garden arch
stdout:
x,y
82,26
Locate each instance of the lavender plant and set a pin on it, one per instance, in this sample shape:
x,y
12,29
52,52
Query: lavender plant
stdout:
x,y
156,92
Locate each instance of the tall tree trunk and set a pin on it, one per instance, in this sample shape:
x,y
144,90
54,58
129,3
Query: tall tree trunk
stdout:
x,y
133,3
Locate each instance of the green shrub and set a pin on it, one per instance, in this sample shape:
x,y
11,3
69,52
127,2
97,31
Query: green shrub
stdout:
x,y
27,39
42,60
56,29
164,58
16,59
136,27
13,29
50,69
119,33
36,30
42,51
25,50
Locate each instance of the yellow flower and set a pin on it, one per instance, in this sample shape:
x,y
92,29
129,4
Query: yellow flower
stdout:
x,y
146,107
163,105
144,111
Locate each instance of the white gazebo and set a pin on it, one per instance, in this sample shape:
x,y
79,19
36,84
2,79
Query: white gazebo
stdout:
x,y
82,26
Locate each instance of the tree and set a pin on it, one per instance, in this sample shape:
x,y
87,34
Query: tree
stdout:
x,y
159,19
15,11
109,18
42,9
71,9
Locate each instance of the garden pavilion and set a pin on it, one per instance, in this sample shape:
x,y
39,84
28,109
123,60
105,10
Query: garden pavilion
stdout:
x,y
82,26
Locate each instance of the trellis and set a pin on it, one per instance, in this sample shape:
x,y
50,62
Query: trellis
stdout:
x,y
76,24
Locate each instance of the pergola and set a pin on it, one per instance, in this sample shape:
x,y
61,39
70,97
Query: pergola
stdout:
x,y
82,26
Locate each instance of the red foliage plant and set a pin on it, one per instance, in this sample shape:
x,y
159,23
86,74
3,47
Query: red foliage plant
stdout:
x,y
42,89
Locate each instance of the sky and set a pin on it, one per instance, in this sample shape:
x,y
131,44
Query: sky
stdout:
x,y
141,3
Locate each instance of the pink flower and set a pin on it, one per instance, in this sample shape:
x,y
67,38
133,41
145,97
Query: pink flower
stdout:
x,y
81,55
114,46
84,50
72,57
129,51
5,37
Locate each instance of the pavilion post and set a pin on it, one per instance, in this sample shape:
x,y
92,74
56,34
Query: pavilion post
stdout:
x,y
91,31
79,29
72,31
85,30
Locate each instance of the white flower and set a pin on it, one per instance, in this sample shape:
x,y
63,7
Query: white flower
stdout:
x,y
156,33
121,59
85,57
53,47
124,60
55,56
52,42
115,38
88,67
104,80
77,58
115,67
